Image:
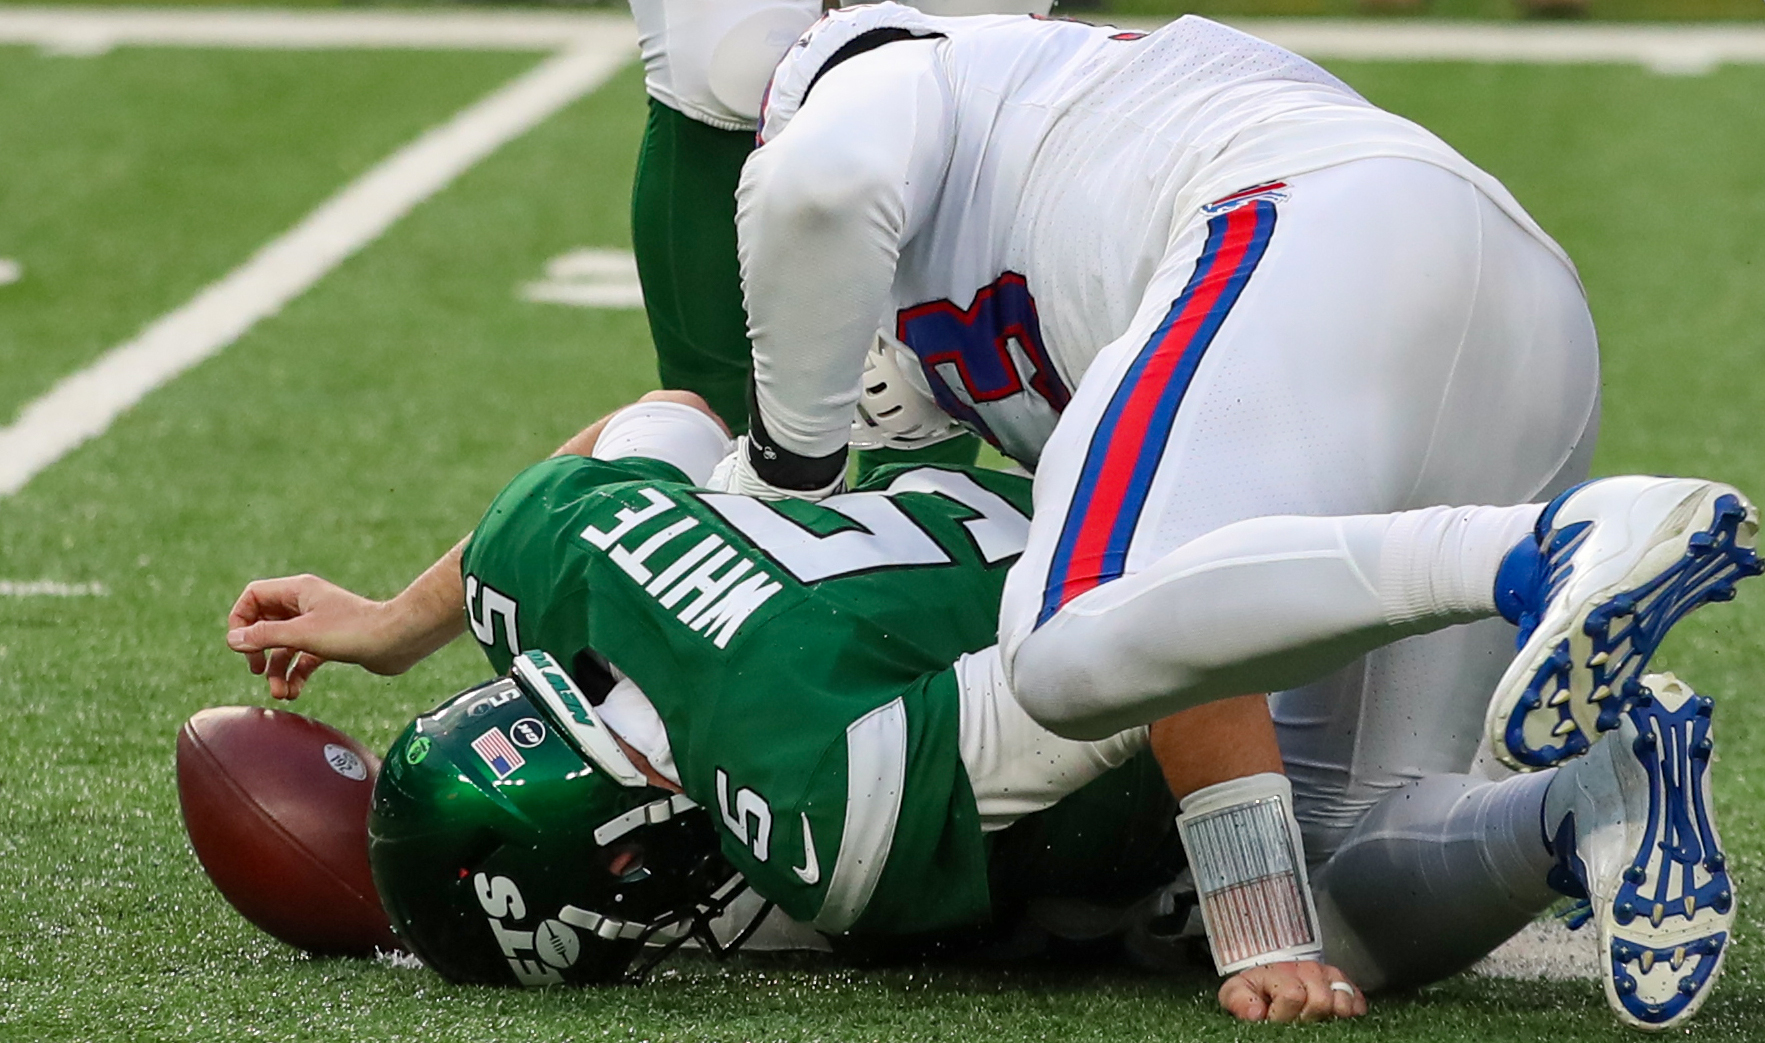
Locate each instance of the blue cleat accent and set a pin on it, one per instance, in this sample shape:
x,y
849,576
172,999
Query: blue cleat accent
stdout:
x,y
1613,564
1636,838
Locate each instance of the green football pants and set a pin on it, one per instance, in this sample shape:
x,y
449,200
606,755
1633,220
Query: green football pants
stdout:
x,y
683,233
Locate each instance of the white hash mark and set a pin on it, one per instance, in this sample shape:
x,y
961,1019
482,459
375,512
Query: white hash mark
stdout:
x,y
588,278
48,588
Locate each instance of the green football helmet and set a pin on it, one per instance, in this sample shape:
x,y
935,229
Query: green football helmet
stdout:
x,y
514,842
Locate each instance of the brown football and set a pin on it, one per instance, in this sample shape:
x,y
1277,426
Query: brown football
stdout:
x,y
277,809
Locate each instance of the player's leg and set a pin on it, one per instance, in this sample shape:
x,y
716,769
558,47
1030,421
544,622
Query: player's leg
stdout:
x,y
1434,877
683,233
1377,755
1442,870
1222,507
1404,711
1212,511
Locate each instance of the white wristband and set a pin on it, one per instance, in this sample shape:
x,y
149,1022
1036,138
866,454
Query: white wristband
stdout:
x,y
1248,861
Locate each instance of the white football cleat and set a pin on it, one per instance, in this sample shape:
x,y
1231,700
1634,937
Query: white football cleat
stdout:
x,y
1612,565
1634,833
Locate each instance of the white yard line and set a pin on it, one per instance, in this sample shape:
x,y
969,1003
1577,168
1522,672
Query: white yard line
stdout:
x,y
82,406
1546,950
48,588
92,30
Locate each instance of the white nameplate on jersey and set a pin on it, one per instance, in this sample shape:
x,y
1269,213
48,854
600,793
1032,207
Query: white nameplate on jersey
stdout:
x,y
541,675
710,586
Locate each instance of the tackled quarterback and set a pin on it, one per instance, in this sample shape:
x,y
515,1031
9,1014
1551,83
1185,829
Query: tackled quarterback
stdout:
x,y
1316,626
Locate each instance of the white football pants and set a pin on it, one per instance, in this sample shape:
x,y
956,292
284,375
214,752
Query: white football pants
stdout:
x,y
1241,496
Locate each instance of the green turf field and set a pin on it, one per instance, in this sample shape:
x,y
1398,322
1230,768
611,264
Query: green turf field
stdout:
x,y
359,432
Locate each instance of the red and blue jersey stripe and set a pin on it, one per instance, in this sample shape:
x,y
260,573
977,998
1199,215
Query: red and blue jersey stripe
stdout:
x,y
1130,438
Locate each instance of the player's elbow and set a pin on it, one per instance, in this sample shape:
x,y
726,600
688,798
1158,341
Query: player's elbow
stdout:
x,y
814,189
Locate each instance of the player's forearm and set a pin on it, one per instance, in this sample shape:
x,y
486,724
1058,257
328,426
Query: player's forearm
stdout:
x,y
1223,763
822,212
1215,742
431,611
427,614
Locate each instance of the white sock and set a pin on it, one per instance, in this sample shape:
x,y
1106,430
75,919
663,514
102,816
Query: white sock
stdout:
x,y
1437,561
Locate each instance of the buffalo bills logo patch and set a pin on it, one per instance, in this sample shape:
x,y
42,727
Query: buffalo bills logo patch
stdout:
x,y
1274,192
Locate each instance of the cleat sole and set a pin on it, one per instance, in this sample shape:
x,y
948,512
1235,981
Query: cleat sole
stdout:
x,y
1662,967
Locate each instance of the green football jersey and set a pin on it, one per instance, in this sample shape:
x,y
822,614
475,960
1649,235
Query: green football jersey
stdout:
x,y
800,657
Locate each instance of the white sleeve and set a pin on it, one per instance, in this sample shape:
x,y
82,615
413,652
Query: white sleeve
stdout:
x,y
667,431
1015,766
822,212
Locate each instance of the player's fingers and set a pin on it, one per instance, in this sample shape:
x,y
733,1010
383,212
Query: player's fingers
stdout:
x,y
1287,998
265,635
244,639
1242,1000
239,621
266,599
1320,1000
280,660
1341,1001
304,665
244,609
1348,999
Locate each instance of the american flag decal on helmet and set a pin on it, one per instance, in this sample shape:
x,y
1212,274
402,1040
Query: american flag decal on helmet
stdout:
x,y
499,753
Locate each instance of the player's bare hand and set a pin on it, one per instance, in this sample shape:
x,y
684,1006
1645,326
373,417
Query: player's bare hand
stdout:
x,y
1299,990
288,627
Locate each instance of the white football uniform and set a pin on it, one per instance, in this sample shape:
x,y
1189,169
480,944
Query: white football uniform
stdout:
x,y
1248,328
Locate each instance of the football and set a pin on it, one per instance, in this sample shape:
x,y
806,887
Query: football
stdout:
x,y
276,806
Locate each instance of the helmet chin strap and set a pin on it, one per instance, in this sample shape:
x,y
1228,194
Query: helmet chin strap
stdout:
x,y
696,924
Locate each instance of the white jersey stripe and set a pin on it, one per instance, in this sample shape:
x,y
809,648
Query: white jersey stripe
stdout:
x,y
876,773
